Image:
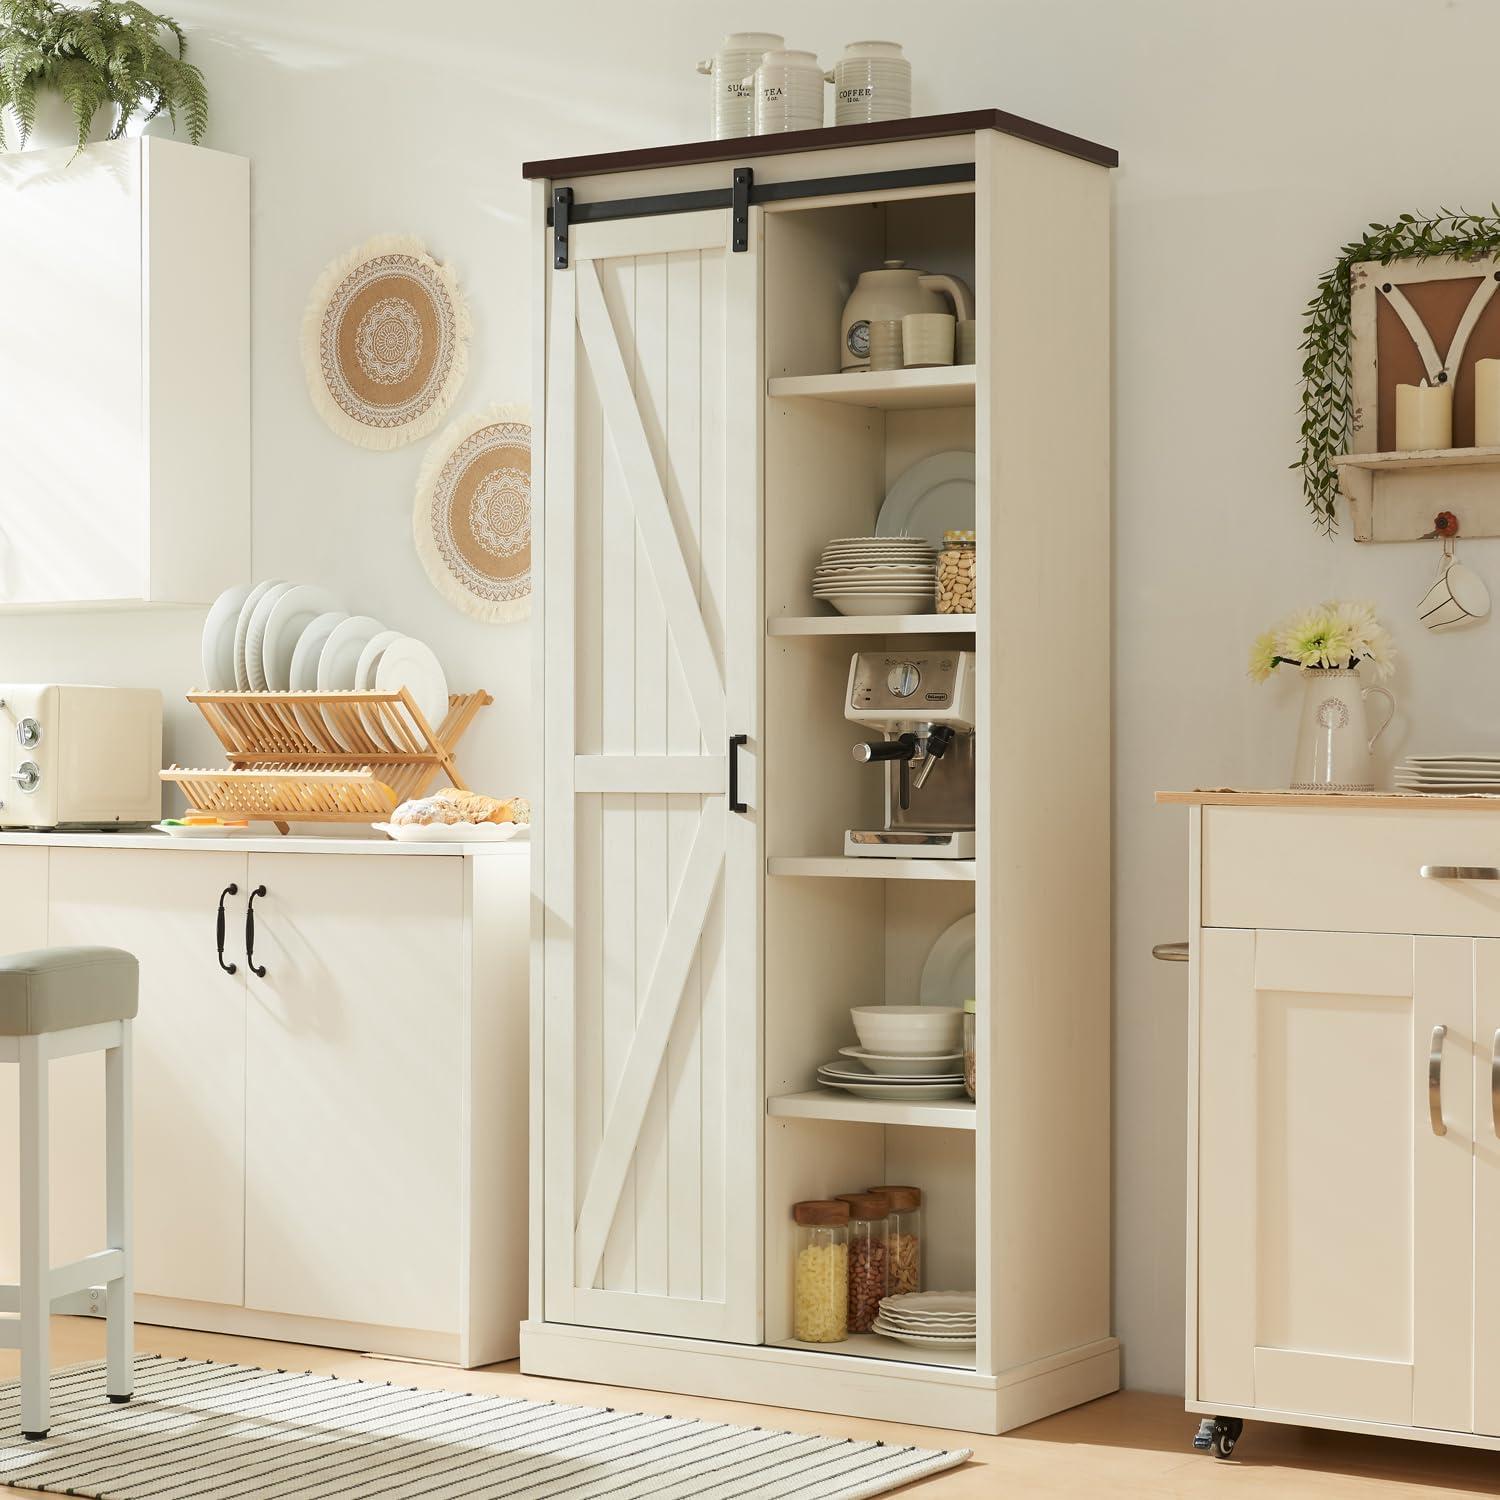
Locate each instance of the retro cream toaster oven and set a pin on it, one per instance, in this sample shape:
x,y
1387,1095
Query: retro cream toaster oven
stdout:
x,y
79,757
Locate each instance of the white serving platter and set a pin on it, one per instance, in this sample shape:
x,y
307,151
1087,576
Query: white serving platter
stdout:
x,y
451,833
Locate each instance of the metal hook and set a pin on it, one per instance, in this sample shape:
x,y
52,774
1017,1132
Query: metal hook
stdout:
x,y
1445,525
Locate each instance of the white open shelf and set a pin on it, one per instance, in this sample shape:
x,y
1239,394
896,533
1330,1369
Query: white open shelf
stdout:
x,y
825,1104
848,867
871,625
891,390
874,1346
1399,497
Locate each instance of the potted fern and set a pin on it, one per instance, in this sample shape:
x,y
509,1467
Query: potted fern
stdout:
x,y
72,73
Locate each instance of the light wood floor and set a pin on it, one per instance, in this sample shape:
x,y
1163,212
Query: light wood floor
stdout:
x,y
1129,1445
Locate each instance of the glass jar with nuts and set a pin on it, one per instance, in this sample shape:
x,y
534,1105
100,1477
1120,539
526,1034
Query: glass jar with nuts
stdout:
x,y
867,1257
957,571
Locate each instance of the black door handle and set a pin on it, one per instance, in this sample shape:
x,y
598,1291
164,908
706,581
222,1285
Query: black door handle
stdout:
x,y
735,741
259,970
229,890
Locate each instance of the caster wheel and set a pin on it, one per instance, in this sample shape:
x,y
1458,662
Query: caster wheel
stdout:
x,y
119,1400
36,1437
1218,1435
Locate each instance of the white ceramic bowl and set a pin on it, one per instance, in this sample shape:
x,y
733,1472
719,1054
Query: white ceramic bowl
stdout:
x,y
909,1030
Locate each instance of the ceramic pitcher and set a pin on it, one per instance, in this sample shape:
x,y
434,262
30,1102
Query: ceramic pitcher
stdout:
x,y
1334,744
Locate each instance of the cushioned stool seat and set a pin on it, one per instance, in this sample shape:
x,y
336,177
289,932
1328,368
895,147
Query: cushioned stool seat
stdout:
x,y
57,1003
56,989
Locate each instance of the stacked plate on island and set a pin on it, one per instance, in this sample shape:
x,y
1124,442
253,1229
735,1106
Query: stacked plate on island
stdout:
x,y
1451,775
934,1320
877,575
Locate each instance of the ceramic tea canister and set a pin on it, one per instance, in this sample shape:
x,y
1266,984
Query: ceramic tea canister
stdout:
x,y
732,69
788,92
871,81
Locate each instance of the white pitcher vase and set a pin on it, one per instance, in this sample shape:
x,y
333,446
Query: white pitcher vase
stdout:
x,y
1335,749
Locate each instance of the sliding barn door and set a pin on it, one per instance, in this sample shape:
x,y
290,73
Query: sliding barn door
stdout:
x,y
652,620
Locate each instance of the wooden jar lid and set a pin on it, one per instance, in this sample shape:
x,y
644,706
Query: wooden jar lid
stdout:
x,y
902,1199
866,1205
821,1211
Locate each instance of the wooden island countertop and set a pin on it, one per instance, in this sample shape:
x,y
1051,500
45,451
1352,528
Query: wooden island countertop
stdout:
x,y
1410,801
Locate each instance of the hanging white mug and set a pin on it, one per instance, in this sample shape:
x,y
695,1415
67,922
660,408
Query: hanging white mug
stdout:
x,y
1458,595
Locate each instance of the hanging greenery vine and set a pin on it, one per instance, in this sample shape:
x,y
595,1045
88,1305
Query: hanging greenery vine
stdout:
x,y
1327,400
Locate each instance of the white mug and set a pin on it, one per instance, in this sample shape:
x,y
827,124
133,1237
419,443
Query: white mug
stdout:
x,y
1458,595
927,339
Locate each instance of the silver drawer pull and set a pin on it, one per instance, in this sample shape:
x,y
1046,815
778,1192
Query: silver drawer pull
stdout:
x,y
1495,1082
1171,953
1459,872
1435,1080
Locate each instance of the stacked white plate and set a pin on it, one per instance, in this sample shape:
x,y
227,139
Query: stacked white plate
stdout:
x,y
280,637
897,1078
936,1320
1478,772
878,575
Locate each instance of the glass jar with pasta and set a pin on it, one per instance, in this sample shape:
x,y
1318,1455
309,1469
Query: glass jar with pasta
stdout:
x,y
820,1271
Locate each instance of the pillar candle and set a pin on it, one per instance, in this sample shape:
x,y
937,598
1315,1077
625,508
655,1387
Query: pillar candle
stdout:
x,y
1424,416
1487,403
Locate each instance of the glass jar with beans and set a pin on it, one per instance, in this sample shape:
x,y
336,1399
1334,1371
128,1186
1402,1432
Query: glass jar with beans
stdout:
x,y
867,1257
903,1239
820,1278
957,574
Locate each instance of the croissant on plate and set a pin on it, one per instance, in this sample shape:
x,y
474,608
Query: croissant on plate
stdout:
x,y
453,806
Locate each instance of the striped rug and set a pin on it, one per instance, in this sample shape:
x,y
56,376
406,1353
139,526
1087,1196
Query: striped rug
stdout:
x,y
236,1433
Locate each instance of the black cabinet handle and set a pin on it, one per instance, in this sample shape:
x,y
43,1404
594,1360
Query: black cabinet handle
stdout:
x,y
259,970
735,741
229,890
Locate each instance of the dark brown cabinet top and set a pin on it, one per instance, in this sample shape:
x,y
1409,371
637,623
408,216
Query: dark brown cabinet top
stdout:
x,y
920,128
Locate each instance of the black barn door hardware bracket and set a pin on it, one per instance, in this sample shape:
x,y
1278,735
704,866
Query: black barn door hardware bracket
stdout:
x,y
562,213
739,196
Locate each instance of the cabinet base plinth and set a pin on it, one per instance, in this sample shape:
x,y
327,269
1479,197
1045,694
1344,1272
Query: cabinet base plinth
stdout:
x,y
805,1380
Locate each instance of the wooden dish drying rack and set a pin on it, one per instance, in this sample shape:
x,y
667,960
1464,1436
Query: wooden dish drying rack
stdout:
x,y
348,757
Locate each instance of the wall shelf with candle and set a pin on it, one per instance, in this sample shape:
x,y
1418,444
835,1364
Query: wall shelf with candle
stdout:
x,y
1395,497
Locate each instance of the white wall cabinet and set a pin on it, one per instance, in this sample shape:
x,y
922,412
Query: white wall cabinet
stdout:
x,y
1344,1133
696,959
126,371
331,1151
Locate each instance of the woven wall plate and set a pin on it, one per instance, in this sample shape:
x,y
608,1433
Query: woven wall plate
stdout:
x,y
472,520
385,341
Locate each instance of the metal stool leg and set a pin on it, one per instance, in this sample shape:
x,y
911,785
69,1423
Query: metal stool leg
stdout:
x,y
36,1260
120,1311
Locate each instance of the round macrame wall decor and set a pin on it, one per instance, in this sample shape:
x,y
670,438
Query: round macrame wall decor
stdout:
x,y
473,514
385,341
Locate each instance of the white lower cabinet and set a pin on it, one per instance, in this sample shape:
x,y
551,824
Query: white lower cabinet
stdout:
x,y
352,1118
1344,1181
333,1149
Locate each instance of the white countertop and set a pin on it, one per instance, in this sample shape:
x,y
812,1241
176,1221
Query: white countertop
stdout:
x,y
253,843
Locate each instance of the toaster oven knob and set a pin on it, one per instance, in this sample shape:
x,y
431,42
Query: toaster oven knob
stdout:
x,y
28,733
28,776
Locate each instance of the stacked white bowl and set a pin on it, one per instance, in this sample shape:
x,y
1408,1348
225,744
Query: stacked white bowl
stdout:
x,y
877,575
871,82
788,92
909,1030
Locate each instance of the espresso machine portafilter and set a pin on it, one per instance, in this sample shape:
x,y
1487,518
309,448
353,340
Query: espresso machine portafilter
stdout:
x,y
923,704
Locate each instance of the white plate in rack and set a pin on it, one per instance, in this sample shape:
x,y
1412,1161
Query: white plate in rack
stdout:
x,y
242,629
411,664
451,833
255,635
218,639
291,614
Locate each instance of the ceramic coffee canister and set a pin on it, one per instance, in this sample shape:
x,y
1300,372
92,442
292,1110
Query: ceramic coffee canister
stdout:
x,y
871,82
1335,749
889,294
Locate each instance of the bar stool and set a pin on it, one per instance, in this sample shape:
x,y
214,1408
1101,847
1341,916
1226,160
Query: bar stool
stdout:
x,y
59,1002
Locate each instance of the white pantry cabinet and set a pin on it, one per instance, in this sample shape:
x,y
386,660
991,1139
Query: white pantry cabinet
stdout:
x,y
699,934
125,368
331,1150
1344,1127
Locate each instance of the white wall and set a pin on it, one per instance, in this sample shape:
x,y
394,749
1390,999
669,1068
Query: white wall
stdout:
x,y
1256,139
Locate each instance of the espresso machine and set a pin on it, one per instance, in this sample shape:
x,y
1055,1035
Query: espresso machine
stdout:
x,y
923,705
